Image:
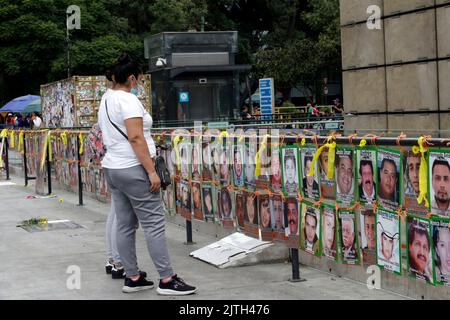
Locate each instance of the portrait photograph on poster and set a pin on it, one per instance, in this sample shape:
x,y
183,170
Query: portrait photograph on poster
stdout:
x,y
388,241
208,208
326,185
196,161
410,190
185,159
186,209
441,249
366,164
344,176
238,165
277,213
329,240
310,185
310,236
349,237
290,174
439,185
368,238
239,210
226,207
292,222
197,201
207,162
225,167
251,226
251,148
276,179
389,173
265,217
420,258
216,150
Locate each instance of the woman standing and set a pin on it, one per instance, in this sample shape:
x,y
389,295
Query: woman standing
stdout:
x,y
131,176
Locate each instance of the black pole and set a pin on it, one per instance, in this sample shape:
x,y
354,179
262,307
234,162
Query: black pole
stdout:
x,y
25,167
49,169
189,233
295,266
80,182
7,158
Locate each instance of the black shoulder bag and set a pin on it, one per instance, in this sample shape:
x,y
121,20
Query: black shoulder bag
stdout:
x,y
160,164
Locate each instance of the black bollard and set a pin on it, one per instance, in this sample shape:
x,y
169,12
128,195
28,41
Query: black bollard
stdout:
x,y
80,181
7,158
49,170
189,233
295,267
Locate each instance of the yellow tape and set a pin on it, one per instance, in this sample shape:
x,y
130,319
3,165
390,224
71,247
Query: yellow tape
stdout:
x,y
44,153
331,146
12,143
4,133
176,141
423,172
258,156
20,146
64,138
81,137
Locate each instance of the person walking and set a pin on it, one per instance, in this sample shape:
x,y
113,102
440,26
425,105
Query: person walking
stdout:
x,y
135,186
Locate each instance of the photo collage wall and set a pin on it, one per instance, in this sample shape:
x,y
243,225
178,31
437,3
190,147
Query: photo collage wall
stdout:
x,y
359,217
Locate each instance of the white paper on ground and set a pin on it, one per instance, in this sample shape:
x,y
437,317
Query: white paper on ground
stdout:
x,y
3,184
220,252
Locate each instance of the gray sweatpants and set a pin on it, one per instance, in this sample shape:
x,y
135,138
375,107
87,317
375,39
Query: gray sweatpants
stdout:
x,y
111,235
133,201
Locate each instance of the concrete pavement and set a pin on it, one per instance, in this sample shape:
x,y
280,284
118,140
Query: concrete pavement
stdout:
x,y
34,265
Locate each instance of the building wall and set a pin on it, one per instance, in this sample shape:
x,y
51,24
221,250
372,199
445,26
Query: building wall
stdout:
x,y
402,67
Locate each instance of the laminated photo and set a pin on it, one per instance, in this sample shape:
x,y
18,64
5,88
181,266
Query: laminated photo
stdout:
x,y
389,173
366,164
290,171
329,240
344,176
310,185
420,258
441,249
310,236
388,241
439,185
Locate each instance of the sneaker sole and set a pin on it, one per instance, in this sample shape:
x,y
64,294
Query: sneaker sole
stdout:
x,y
126,289
168,292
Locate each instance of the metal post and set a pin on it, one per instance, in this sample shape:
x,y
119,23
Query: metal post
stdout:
x,y
189,233
25,167
7,158
49,169
295,267
80,182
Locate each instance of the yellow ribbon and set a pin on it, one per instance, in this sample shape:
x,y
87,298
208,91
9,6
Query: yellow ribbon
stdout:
x,y
4,133
20,146
303,142
176,141
223,134
64,138
44,153
331,146
423,172
363,143
81,137
258,156
11,140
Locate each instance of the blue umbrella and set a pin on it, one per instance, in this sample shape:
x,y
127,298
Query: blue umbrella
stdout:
x,y
19,104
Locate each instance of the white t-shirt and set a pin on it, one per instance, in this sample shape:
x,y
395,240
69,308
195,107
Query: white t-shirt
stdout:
x,y
37,122
122,106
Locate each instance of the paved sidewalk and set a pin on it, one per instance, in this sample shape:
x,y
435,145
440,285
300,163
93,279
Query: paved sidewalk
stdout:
x,y
34,264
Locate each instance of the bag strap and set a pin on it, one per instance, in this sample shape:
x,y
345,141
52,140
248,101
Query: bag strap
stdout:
x,y
115,125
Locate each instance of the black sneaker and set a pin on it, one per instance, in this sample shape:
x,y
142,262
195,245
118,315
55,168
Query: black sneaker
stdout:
x,y
175,287
108,267
138,285
119,273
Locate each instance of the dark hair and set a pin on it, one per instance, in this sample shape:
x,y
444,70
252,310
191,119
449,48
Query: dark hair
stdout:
x,y
440,162
109,73
126,67
307,158
228,199
420,230
365,163
339,157
389,161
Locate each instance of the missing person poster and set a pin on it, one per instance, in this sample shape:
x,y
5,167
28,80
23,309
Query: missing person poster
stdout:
x,y
439,184
197,201
348,237
226,208
292,218
207,200
389,173
251,148
265,217
410,190
368,238
207,162
239,210
225,173
277,217
329,230
310,241
420,258
185,158
196,165
238,165
276,179
441,249
366,170
388,241
310,185
290,170
326,185
186,209
344,176
251,226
